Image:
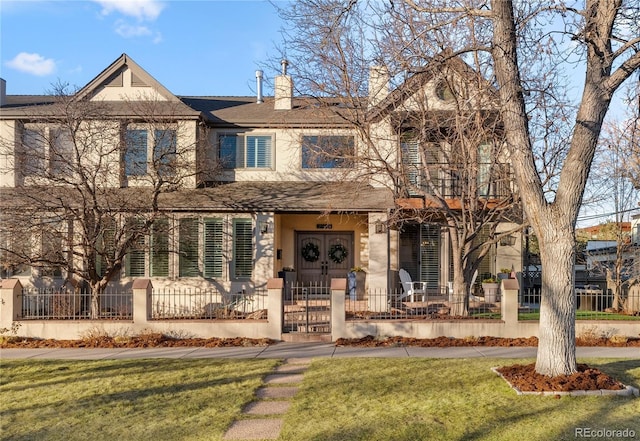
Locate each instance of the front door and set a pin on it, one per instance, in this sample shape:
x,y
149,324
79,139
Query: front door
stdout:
x,y
322,256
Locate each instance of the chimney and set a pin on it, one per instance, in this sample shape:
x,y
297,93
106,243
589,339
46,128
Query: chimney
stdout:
x,y
259,86
3,92
378,84
283,89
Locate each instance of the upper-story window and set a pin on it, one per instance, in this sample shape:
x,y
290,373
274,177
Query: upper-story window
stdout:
x,y
46,151
245,151
149,150
327,151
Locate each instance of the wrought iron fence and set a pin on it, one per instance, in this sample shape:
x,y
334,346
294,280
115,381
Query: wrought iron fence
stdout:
x,y
592,303
55,304
307,307
380,304
207,304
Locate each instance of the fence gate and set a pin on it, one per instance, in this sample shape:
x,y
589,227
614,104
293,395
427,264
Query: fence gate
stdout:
x,y
307,308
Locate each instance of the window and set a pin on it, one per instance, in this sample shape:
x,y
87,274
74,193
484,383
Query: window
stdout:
x,y
164,151
424,176
249,151
242,248
105,249
33,152
61,155
137,149
188,248
14,247
484,169
160,248
52,253
227,148
327,151
213,246
135,156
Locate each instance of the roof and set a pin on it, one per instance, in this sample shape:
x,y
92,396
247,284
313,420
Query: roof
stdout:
x,y
299,197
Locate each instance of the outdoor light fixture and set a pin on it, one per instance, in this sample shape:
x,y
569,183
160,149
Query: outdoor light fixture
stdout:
x,y
264,227
508,241
380,228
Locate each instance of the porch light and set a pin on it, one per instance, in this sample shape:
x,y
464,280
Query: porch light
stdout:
x,y
380,228
264,227
508,241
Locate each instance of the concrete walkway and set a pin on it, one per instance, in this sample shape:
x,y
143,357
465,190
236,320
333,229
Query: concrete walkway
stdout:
x,y
304,350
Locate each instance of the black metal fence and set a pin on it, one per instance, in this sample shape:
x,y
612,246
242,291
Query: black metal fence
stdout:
x,y
52,304
207,304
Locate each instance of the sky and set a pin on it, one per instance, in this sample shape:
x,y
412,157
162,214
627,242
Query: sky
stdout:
x,y
200,47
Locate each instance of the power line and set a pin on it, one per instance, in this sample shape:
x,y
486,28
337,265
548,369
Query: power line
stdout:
x,y
596,216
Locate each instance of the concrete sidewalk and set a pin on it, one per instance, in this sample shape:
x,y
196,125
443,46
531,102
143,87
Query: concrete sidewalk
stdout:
x,y
304,350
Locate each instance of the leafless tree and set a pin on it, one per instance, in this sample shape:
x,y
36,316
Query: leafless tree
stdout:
x,y
89,175
531,53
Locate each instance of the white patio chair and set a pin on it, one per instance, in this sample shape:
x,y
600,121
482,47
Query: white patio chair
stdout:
x,y
410,287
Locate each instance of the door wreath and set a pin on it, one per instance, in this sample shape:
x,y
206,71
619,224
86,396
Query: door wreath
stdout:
x,y
337,253
310,252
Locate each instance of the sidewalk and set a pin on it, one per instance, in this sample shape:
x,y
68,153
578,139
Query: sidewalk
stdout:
x,y
304,350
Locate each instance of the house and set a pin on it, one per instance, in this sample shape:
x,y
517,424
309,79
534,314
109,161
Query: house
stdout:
x,y
229,191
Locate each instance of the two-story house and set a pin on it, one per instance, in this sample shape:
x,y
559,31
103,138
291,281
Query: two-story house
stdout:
x,y
238,188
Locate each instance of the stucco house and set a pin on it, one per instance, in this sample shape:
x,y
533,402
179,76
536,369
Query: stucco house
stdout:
x,y
250,185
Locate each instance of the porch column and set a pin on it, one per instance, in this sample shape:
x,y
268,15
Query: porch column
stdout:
x,y
142,290
10,290
338,317
275,310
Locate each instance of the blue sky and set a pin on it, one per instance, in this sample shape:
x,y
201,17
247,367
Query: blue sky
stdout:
x,y
205,47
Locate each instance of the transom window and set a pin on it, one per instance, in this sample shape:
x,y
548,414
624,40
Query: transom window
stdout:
x,y
327,151
245,151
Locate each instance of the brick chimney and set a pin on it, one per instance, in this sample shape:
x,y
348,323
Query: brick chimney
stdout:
x,y
283,89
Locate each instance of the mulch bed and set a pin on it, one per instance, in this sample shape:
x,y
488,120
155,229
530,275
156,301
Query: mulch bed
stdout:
x,y
444,342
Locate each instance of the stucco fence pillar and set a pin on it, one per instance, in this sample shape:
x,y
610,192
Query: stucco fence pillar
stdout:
x,y
338,313
275,314
10,290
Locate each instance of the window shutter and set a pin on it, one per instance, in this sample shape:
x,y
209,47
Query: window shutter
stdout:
x,y
258,152
411,160
213,242
136,255
160,248
188,261
430,255
33,153
106,248
242,248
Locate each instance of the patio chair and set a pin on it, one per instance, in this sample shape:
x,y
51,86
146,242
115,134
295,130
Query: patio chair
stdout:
x,y
410,287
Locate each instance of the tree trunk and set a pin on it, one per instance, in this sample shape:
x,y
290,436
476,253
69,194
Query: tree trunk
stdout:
x,y
460,297
557,344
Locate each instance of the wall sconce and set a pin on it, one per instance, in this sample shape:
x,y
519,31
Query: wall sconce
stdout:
x,y
508,241
380,228
264,227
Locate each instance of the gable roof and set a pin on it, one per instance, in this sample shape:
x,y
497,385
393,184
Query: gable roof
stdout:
x,y
419,79
122,62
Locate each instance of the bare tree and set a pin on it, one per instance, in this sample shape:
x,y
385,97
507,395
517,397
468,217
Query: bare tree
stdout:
x,y
446,149
523,49
88,183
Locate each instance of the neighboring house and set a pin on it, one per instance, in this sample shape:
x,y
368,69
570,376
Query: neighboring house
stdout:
x,y
254,195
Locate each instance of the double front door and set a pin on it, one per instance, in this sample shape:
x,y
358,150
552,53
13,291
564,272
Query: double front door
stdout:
x,y
322,256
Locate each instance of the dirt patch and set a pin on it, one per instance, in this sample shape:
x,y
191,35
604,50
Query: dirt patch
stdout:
x,y
151,340
525,378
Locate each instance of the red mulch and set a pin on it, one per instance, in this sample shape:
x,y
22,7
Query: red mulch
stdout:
x,y
443,342
525,378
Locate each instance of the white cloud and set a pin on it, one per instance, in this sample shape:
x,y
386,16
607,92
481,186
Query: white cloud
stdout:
x,y
34,64
128,31
141,9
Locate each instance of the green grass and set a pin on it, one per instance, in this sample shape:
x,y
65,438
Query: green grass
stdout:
x,y
583,315
339,399
125,400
